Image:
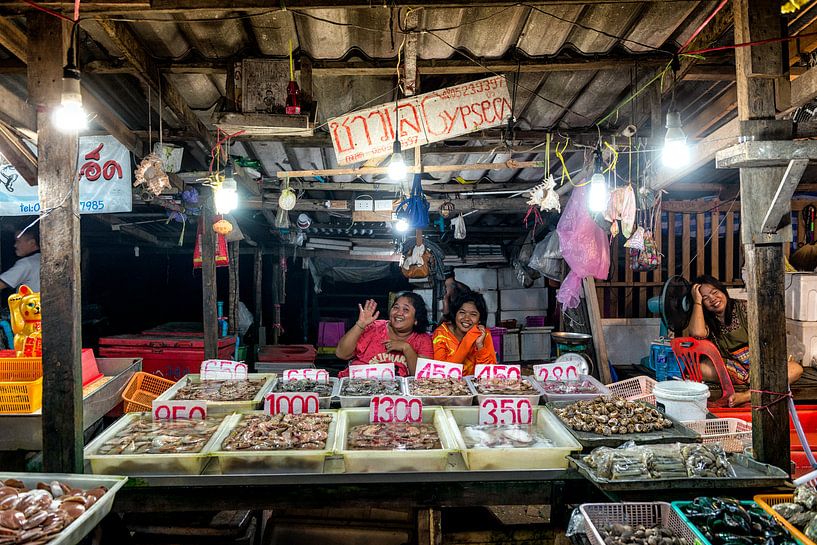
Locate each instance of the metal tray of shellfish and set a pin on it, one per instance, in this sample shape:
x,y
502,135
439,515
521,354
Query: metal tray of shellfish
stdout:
x,y
749,473
88,520
678,433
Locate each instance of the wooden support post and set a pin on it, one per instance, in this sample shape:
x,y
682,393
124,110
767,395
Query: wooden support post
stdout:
x,y
276,300
429,526
60,247
596,330
208,280
757,67
233,297
258,277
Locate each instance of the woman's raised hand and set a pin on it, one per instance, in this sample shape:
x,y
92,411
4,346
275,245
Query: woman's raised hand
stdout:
x,y
368,313
696,294
480,342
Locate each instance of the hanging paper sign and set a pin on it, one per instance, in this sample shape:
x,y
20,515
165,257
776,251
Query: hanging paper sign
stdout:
x,y
422,119
382,371
395,409
483,371
437,369
496,411
223,370
291,403
556,371
318,375
179,410
104,181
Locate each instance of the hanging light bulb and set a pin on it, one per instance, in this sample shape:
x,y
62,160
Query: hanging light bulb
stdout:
x,y
70,116
597,196
402,226
676,152
226,196
397,166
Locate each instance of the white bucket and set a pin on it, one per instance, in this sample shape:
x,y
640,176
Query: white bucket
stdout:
x,y
682,399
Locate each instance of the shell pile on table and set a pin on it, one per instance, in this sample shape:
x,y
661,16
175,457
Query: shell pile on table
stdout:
x,y
438,387
220,390
393,436
280,432
612,415
505,386
34,517
323,389
146,436
370,387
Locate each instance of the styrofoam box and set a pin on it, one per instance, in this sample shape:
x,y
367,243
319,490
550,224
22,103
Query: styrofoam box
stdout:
x,y
554,457
519,315
491,300
535,343
510,345
801,296
533,299
477,279
508,280
806,332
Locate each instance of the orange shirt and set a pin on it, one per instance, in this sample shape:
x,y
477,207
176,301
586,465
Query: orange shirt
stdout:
x,y
447,347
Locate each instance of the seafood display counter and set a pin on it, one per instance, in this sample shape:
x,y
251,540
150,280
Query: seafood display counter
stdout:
x,y
24,431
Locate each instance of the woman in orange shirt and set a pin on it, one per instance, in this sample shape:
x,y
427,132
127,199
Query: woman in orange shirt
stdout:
x,y
463,337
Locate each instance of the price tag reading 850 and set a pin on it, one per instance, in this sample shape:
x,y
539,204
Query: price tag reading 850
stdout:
x,y
495,411
291,403
179,410
484,372
396,409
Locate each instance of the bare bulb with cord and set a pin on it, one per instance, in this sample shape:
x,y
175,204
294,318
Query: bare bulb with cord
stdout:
x,y
597,196
397,169
676,152
70,116
402,226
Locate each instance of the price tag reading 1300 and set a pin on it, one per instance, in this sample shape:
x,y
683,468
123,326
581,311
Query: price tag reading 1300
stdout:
x,y
495,411
396,409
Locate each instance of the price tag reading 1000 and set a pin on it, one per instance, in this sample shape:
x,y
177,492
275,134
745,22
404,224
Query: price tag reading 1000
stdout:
x,y
495,411
291,403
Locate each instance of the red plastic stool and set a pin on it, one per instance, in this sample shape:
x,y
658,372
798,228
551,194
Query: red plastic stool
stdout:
x,y
688,351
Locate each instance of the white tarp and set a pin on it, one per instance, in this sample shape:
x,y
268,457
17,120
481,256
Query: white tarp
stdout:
x,y
104,186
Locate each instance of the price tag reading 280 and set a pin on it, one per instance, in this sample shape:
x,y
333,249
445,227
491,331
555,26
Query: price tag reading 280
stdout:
x,y
483,372
396,409
495,411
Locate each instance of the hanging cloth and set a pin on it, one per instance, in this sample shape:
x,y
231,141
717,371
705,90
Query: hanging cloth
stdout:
x,y
415,208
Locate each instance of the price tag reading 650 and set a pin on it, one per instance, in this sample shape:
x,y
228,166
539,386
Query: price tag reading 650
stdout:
x,y
495,411
396,409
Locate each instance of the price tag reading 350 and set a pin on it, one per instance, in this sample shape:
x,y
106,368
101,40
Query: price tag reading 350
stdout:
x,y
495,411
556,371
179,410
482,371
291,403
437,369
382,371
396,409
223,370
318,375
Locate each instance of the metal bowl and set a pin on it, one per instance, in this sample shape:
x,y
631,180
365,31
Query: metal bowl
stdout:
x,y
568,337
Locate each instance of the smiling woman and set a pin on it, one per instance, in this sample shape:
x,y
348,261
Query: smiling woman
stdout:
x,y
463,337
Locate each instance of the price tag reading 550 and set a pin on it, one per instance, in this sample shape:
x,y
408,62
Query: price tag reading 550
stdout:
x,y
396,409
179,410
495,411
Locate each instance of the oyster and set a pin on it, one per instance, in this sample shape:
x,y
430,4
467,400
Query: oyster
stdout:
x,y
369,387
280,432
569,387
434,387
393,436
505,386
220,390
323,389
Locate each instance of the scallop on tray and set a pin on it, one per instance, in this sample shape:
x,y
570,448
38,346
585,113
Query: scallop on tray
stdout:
x,y
223,396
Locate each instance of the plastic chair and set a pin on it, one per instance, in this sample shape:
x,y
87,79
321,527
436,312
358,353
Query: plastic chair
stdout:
x,y
688,351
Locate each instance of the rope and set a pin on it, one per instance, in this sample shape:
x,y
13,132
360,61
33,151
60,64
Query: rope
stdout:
x,y
779,397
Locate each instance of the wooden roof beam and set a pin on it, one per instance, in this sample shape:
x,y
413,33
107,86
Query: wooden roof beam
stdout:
x,y
18,155
496,205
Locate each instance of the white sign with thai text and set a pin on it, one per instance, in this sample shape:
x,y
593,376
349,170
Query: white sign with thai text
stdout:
x,y
422,119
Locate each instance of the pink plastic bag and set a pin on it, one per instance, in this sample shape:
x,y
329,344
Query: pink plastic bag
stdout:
x,y
584,246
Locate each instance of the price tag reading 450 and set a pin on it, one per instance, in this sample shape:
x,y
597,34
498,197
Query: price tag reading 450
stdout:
x,y
179,410
396,409
382,371
482,372
291,403
437,369
318,375
223,370
556,371
495,411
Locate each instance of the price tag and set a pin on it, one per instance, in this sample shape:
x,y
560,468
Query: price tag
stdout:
x,y
437,369
318,375
179,410
396,409
223,370
382,371
556,371
483,371
291,403
495,411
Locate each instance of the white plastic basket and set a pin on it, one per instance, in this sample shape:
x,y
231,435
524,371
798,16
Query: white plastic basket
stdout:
x,y
732,433
650,514
634,389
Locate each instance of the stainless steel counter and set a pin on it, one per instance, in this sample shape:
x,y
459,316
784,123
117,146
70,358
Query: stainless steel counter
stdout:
x,y
24,431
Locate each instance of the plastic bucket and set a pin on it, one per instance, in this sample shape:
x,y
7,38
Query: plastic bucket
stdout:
x,y
682,399
497,334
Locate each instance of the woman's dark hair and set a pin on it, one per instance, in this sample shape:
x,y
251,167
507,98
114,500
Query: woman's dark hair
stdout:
x,y
712,322
420,310
460,298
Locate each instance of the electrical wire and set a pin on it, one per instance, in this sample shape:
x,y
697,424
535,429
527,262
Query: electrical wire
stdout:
x,y
703,25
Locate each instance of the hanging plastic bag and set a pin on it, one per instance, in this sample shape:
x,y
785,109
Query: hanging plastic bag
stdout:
x,y
414,209
221,250
547,257
458,224
584,247
636,241
648,258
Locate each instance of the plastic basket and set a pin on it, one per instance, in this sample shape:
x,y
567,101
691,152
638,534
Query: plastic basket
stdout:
x,y
732,433
650,514
678,505
634,389
14,369
21,397
766,501
142,389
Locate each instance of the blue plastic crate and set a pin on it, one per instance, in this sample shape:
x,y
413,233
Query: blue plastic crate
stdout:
x,y
663,362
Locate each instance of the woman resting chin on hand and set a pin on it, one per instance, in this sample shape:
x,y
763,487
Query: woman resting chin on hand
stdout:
x,y
463,337
399,340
